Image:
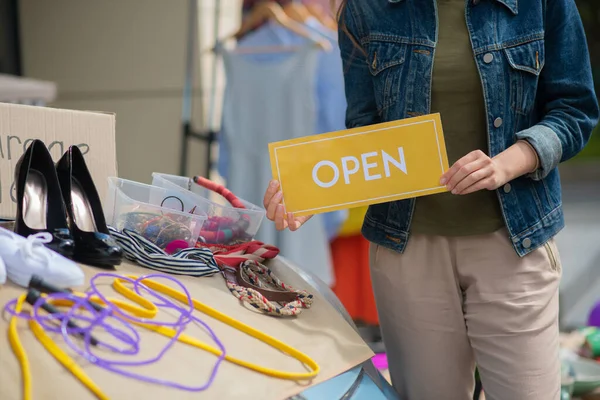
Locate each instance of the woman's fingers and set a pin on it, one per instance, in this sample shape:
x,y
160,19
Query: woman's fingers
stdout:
x,y
480,185
276,210
280,222
303,219
471,180
466,170
469,158
271,191
272,205
292,222
295,223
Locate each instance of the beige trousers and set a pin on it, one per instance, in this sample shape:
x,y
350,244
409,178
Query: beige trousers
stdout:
x,y
448,303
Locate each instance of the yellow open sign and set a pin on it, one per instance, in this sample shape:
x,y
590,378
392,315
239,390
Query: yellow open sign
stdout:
x,y
361,166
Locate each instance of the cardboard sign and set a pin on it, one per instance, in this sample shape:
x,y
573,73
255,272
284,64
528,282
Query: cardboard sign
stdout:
x,y
93,132
362,166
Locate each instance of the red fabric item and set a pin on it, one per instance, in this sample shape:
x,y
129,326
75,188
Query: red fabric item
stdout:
x,y
233,256
220,189
352,278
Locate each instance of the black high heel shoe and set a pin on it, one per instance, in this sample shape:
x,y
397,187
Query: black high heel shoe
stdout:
x,y
40,206
93,243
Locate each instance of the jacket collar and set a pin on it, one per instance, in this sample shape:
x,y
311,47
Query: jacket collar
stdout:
x,y
512,5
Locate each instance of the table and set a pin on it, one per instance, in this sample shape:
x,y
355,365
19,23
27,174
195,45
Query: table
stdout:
x,y
321,332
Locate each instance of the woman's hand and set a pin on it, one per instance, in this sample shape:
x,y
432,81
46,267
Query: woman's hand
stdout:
x,y
276,211
477,171
473,172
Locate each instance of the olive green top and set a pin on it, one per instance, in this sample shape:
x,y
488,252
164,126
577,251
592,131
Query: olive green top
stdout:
x,y
457,95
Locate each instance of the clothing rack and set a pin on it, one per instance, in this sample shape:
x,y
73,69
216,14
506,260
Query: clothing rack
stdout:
x,y
207,134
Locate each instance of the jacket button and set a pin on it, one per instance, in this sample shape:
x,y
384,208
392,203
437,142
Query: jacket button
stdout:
x,y
488,58
507,188
526,243
476,2
498,122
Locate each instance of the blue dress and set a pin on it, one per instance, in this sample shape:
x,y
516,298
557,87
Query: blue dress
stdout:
x,y
329,94
262,105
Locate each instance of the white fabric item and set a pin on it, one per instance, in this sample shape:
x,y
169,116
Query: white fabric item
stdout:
x,y
2,272
25,257
267,102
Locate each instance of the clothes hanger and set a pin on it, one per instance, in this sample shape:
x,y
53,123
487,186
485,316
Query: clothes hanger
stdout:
x,y
269,10
317,11
297,11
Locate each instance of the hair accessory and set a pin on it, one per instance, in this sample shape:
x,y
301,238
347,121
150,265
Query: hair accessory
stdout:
x,y
233,256
175,246
229,220
256,285
222,229
253,283
161,229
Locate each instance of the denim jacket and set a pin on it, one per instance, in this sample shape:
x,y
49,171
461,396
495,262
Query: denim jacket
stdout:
x,y
535,72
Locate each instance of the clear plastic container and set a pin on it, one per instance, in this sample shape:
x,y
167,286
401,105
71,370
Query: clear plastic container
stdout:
x,y
226,224
149,211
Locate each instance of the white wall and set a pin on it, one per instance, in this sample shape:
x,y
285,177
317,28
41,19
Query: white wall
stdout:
x,y
127,57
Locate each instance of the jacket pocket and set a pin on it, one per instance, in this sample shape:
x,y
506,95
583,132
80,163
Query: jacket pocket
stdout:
x,y
386,60
553,256
373,254
526,62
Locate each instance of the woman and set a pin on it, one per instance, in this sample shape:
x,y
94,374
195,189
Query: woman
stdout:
x,y
476,281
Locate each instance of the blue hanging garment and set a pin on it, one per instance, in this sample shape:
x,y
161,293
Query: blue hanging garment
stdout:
x,y
262,105
328,86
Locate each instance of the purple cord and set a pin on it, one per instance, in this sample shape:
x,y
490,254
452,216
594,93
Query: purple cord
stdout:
x,y
127,333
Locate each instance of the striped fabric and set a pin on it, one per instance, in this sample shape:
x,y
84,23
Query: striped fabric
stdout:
x,y
192,261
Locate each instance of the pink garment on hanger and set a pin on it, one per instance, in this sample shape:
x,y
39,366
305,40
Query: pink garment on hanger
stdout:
x,y
248,4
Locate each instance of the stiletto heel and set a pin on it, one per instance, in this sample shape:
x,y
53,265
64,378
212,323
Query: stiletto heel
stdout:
x,y
93,243
40,206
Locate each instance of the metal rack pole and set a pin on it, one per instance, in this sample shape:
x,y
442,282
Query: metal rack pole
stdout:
x,y
207,135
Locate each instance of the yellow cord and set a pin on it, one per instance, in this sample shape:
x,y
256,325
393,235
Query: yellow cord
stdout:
x,y
65,359
219,316
148,310
19,350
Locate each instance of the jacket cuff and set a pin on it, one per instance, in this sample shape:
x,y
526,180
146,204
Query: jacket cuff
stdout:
x,y
537,158
548,147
